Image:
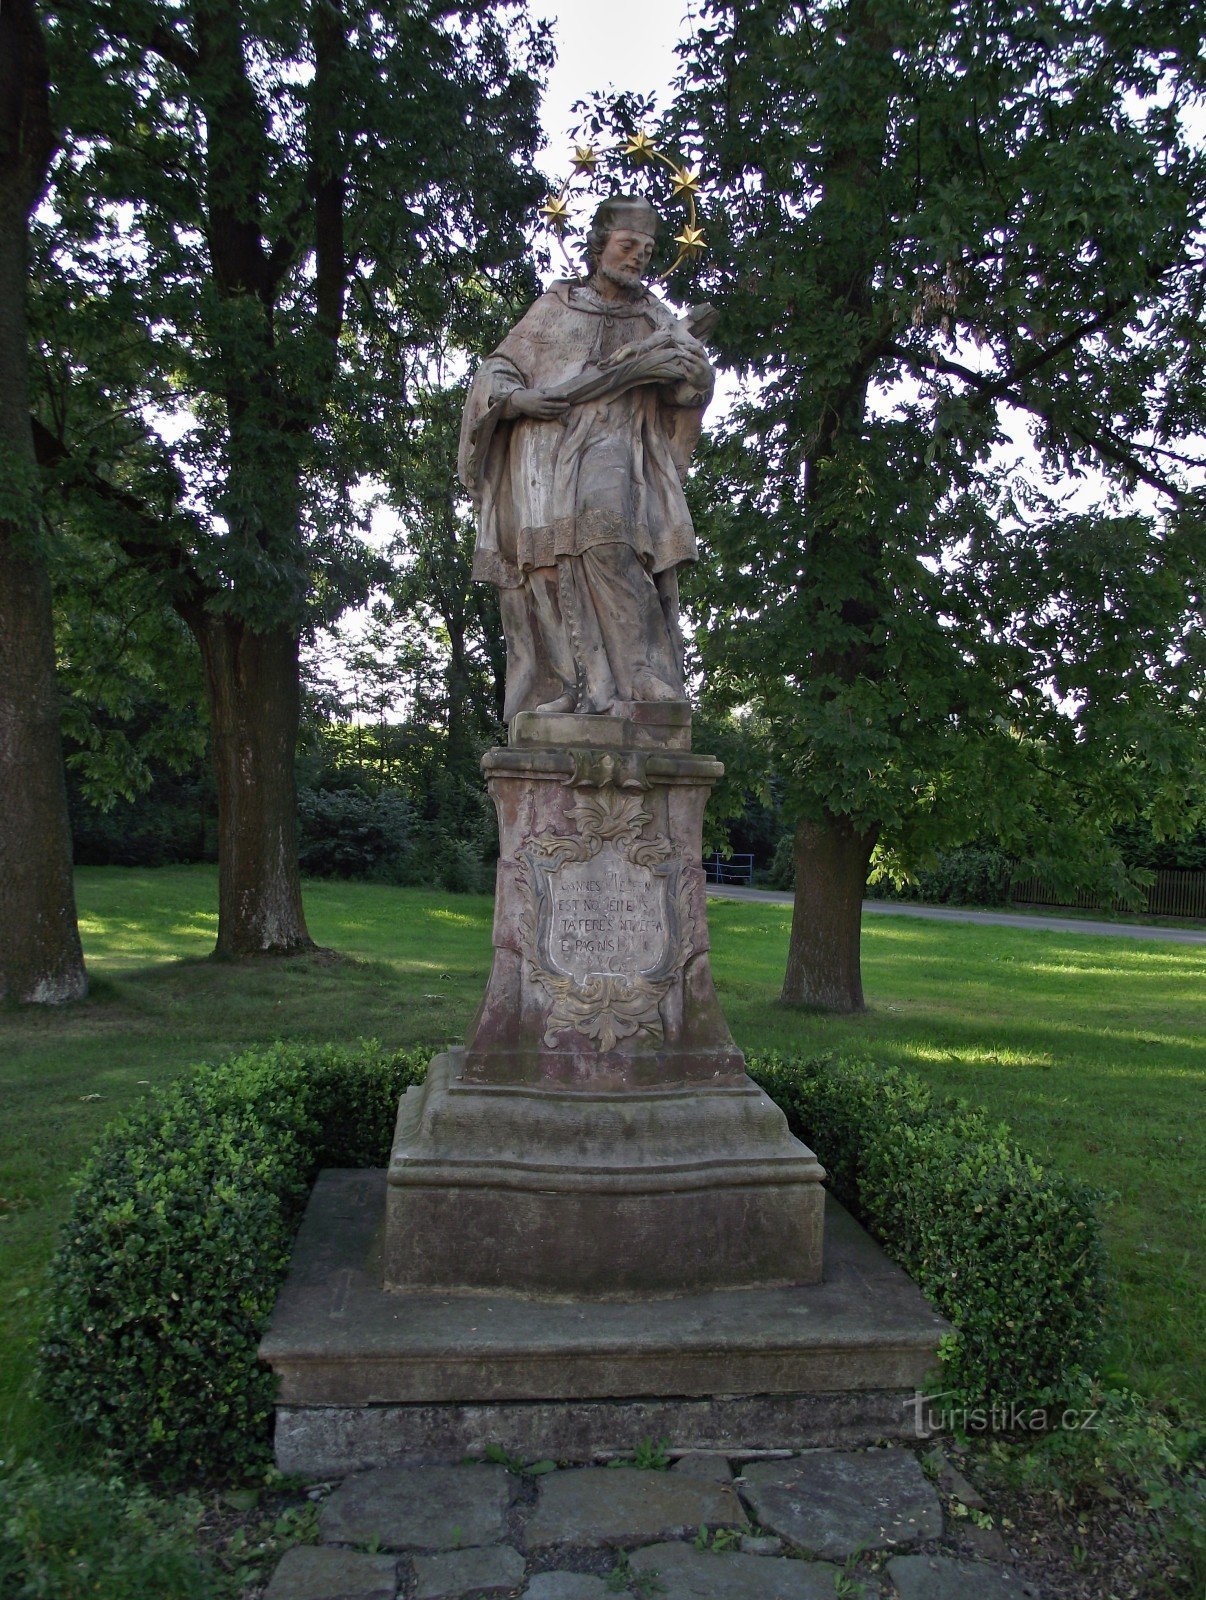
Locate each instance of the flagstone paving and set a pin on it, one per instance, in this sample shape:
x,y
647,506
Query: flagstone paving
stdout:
x,y
814,1526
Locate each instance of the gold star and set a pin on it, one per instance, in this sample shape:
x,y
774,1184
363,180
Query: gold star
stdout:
x,y
555,211
691,241
586,158
640,148
685,181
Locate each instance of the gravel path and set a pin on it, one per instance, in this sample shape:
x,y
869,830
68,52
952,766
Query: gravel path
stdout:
x,y
997,919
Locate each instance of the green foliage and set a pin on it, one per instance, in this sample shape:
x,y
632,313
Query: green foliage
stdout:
x,y
78,1536
933,231
1010,1252
273,191
179,1237
973,875
344,833
181,1228
1126,1444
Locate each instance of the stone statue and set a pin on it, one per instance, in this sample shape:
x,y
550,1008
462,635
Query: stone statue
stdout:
x,y
576,437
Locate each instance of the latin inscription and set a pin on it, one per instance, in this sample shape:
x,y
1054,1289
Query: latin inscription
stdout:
x,y
608,918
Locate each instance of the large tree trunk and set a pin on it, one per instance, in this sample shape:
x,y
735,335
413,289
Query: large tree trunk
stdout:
x,y
255,704
823,969
40,955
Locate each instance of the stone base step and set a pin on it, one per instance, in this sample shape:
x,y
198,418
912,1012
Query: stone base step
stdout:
x,y
371,1378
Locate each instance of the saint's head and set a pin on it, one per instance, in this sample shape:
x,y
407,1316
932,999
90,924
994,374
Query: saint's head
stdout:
x,y
621,239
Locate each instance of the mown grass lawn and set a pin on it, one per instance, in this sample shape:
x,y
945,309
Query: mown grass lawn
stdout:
x,y
1092,1049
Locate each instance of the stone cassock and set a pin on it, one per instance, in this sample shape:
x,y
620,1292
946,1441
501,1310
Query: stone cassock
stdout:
x,y
577,434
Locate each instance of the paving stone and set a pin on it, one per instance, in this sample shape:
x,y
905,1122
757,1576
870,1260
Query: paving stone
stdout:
x,y
419,1508
986,1543
704,1464
760,1544
837,1502
941,1578
951,1481
488,1569
308,1572
624,1505
686,1573
567,1586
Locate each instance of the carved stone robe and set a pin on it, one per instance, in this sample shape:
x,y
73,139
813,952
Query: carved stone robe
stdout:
x,y
582,522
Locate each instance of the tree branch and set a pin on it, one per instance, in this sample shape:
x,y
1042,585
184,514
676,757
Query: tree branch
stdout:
x,y
141,536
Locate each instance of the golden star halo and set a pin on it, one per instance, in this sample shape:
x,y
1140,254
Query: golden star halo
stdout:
x,y
555,210
641,150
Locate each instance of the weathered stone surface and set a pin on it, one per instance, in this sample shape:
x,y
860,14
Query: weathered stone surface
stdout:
x,y
940,1578
419,1508
601,1192
567,1586
489,1569
686,1573
310,1572
986,1543
395,1377
623,1506
834,1502
704,1464
949,1480
760,1544
353,1438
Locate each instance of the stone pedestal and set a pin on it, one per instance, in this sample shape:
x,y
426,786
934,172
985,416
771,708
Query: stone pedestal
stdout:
x,y
598,1135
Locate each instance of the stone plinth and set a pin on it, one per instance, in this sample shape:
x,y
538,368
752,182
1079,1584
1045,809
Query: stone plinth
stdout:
x,y
368,1377
598,1134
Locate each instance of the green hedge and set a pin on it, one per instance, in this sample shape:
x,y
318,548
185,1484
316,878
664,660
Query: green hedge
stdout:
x,y
178,1240
77,1536
1008,1251
182,1225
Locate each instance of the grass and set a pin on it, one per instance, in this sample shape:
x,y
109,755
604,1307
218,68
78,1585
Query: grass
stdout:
x,y
1090,1048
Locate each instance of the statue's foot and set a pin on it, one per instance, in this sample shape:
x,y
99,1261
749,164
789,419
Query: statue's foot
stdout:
x,y
564,702
652,690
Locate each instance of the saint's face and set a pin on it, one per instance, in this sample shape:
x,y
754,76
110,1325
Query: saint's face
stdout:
x,y
626,255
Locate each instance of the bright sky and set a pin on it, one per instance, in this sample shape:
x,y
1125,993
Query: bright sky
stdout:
x,y
606,44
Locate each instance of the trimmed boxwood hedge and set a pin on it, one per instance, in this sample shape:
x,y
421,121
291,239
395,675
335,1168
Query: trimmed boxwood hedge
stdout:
x,y
1009,1251
179,1238
181,1229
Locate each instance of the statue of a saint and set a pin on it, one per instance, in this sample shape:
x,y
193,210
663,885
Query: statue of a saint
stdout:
x,y
576,437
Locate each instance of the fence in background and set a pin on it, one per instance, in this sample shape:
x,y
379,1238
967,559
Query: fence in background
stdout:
x,y
729,869
1172,894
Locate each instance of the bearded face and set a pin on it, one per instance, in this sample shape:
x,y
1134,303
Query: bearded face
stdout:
x,y
625,257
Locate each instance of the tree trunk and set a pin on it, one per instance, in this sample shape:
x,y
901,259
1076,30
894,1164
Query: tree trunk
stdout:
x,y
823,968
40,956
255,705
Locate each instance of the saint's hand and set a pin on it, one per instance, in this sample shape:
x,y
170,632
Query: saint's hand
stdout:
x,y
532,403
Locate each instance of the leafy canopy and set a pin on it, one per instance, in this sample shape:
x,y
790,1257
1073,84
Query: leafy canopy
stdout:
x,y
940,233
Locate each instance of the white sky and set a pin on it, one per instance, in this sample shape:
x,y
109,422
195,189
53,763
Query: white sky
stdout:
x,y
607,44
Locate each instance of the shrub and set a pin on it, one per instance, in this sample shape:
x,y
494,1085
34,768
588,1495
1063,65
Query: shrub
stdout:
x,y
972,875
76,1536
181,1229
179,1238
1011,1253
343,833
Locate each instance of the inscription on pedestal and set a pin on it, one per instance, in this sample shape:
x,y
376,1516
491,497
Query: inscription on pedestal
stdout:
x,y
608,927
609,918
